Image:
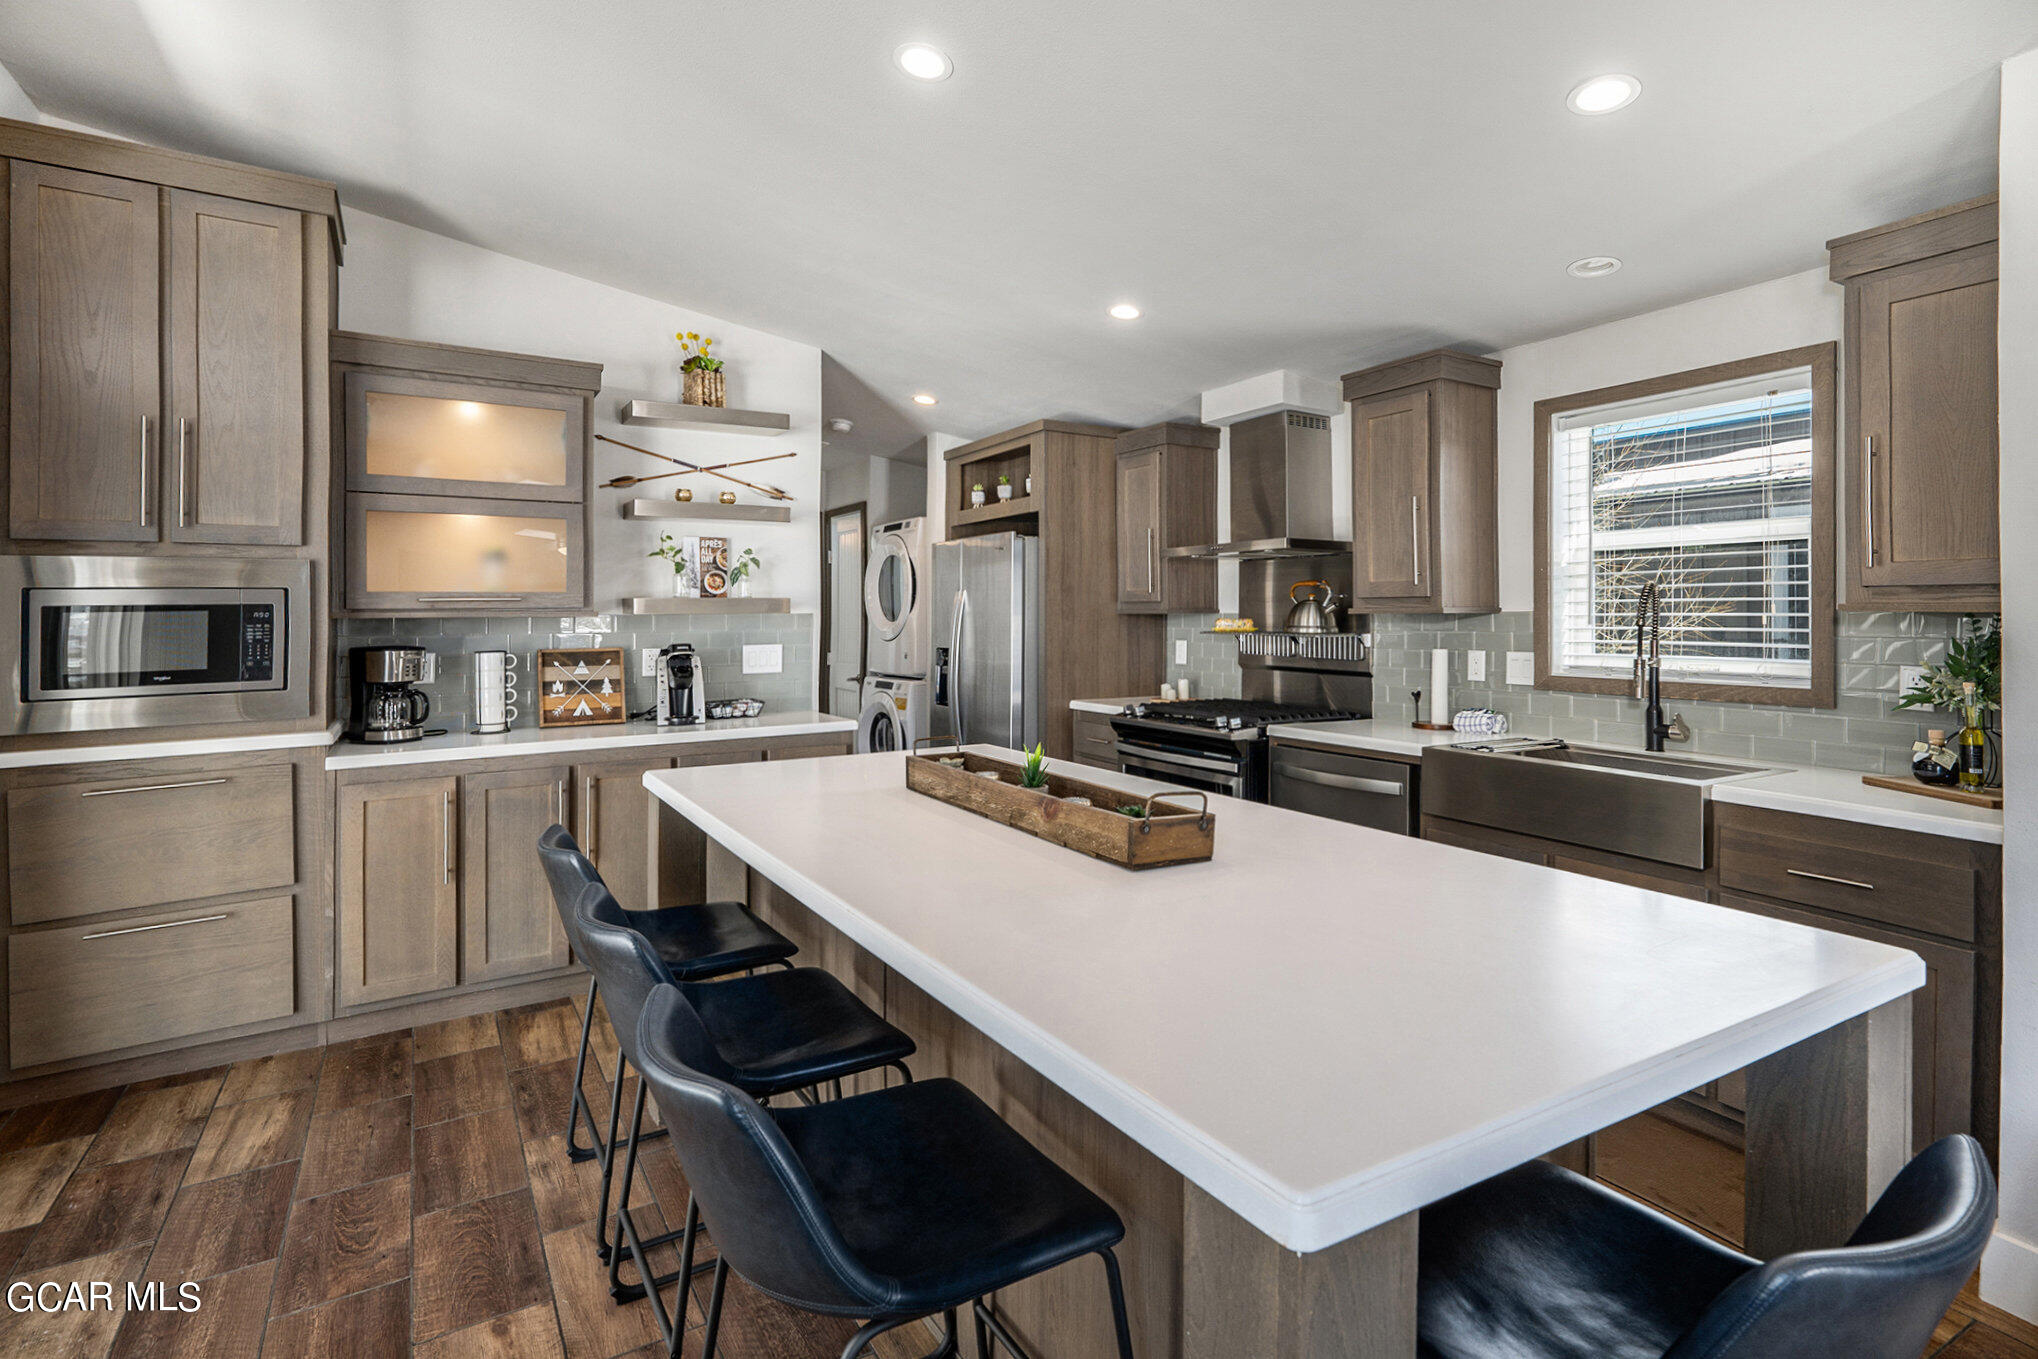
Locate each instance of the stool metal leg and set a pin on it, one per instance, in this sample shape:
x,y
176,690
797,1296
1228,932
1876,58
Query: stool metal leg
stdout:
x,y
641,1246
577,1109
949,1348
714,1326
608,1164
1118,1303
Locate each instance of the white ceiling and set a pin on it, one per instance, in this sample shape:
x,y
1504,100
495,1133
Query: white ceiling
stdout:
x,y
1317,184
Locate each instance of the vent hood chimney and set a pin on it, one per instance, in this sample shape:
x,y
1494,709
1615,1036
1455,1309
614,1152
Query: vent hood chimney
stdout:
x,y
1280,490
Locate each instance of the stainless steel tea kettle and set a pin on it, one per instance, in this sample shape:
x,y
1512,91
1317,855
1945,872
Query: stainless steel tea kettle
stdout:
x,y
1311,615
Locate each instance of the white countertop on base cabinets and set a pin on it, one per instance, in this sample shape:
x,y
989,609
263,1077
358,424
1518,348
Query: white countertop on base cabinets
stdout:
x,y
584,740
166,749
1443,1015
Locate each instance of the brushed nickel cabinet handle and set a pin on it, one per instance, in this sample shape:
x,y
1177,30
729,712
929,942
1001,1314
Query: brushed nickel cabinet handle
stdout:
x,y
1153,553
469,599
587,817
446,836
142,473
183,470
144,929
1415,535
1868,495
1827,877
152,787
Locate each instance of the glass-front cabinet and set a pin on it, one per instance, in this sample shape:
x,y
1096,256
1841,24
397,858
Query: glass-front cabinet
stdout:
x,y
466,478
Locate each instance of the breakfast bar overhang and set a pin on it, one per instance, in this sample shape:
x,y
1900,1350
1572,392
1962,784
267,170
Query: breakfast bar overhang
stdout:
x,y
1270,1062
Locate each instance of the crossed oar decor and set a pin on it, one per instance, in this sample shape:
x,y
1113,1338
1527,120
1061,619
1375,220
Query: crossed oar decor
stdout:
x,y
688,468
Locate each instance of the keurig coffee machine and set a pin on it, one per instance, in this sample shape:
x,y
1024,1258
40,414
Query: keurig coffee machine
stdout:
x,y
386,706
681,700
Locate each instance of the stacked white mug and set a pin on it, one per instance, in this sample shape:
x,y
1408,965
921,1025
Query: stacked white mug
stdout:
x,y
495,691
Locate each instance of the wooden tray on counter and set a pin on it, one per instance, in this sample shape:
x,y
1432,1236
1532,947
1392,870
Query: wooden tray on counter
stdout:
x,y
1168,833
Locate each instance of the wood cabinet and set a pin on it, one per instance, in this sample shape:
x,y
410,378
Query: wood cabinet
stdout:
x,y
509,923
84,343
394,891
1086,645
466,478
1096,744
1920,498
234,428
1425,439
613,808
1167,498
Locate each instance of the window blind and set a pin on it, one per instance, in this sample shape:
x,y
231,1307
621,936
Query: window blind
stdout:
x,y
1705,492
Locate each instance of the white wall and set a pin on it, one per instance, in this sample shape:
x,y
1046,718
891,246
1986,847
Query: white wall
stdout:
x,y
2009,1275
410,283
13,103
1786,313
890,489
937,478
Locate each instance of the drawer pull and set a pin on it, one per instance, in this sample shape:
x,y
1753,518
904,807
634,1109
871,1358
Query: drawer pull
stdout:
x,y
1349,782
469,599
152,787
166,925
1827,877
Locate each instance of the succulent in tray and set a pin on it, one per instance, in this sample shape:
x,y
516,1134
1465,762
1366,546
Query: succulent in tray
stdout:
x,y
1035,773
1133,810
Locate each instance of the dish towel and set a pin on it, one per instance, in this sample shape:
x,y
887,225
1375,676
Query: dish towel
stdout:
x,y
1480,722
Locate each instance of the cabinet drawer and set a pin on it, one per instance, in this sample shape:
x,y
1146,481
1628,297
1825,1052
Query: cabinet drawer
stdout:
x,y
1921,882
146,840
1094,739
90,989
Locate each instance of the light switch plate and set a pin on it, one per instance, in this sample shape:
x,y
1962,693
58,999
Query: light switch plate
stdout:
x,y
1475,667
647,662
1521,667
766,659
1181,651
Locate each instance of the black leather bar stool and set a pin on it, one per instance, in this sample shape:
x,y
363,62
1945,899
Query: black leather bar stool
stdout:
x,y
773,1033
1540,1263
894,1206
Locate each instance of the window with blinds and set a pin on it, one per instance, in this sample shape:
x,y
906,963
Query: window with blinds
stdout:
x,y
1707,492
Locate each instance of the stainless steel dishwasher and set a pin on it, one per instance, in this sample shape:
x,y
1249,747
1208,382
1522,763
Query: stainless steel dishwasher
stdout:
x,y
1344,787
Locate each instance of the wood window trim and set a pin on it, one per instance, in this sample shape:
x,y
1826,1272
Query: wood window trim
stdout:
x,y
1823,361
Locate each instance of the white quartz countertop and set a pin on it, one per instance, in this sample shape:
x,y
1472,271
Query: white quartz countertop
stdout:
x,y
1324,1026
1110,707
1837,793
166,749
582,740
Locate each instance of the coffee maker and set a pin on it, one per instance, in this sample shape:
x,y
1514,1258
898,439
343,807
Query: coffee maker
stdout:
x,y
386,706
681,701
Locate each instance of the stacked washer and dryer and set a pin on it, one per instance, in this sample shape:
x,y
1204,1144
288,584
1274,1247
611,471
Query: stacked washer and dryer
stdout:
x,y
897,589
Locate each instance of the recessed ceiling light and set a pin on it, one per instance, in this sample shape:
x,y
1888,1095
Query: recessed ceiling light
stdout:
x,y
923,398
1125,311
1593,266
922,62
1604,94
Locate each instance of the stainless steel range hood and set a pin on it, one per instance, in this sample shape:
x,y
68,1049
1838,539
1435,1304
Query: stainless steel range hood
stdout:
x,y
1280,491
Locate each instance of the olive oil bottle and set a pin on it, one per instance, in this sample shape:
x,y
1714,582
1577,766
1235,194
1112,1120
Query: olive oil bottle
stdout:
x,y
1973,745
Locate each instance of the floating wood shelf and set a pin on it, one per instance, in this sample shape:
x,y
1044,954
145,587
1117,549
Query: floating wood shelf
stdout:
x,y
670,604
707,419
706,509
1017,507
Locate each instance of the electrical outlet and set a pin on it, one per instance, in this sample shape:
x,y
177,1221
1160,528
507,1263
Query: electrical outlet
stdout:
x,y
1908,677
764,660
1475,667
1521,667
647,662
1181,651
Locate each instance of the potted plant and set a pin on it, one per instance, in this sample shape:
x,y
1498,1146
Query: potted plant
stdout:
x,y
1004,487
1974,657
673,550
976,496
701,380
1034,775
740,571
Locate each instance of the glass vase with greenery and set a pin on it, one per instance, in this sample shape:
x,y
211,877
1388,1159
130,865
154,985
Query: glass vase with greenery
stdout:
x,y
673,550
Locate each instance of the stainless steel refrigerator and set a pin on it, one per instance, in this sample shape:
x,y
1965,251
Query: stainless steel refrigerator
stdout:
x,y
986,639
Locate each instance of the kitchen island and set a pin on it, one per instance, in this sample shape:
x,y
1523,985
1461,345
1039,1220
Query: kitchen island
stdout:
x,y
1271,1061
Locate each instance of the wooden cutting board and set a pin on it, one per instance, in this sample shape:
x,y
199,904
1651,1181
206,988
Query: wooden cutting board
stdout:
x,y
1988,797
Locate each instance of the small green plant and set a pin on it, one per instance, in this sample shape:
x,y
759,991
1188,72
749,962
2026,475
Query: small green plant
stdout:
x,y
1035,774
1004,480
1133,810
1975,657
672,550
745,563
978,487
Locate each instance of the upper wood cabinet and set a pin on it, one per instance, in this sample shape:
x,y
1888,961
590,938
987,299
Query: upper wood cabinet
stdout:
x,y
84,292
1167,497
1920,498
1425,438
234,427
465,477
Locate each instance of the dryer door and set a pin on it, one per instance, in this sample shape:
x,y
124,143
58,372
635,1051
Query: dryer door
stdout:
x,y
879,728
890,586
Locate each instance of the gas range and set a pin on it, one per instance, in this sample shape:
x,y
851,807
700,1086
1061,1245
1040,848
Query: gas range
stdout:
x,y
1218,745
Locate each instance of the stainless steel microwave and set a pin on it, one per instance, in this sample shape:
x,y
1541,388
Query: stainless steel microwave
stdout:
x,y
110,642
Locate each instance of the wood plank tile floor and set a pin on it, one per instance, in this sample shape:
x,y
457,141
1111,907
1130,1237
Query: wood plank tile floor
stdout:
x,y
402,1194
410,1193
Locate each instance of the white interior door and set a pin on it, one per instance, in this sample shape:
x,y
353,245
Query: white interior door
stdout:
x,y
845,613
